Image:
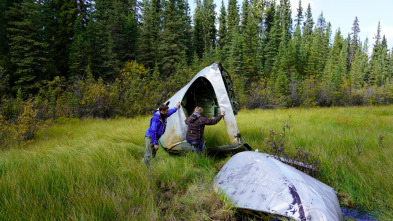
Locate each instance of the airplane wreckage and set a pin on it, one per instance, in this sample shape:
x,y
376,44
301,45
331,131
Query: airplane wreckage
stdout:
x,y
259,182
212,90
256,182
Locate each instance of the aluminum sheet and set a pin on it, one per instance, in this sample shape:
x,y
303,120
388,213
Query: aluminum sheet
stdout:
x,y
258,182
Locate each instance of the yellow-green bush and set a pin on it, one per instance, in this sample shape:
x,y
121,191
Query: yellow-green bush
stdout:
x,y
21,130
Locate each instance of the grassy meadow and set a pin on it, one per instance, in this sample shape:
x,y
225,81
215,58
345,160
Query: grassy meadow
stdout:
x,y
92,168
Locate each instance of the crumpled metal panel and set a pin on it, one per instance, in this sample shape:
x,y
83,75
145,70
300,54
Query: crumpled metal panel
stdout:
x,y
174,138
258,182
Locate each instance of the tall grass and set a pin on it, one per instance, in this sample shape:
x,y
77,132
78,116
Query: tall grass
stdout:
x,y
92,169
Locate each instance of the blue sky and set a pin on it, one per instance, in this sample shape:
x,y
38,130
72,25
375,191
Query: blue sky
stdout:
x,y
341,14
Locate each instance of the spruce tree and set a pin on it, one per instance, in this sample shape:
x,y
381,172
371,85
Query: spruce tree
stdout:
x,y
172,49
237,55
319,50
185,27
124,29
79,54
209,23
149,37
377,60
332,76
61,18
308,24
340,68
5,6
244,16
250,39
390,65
354,44
79,49
286,19
300,53
357,70
299,15
223,35
102,56
198,38
27,48
222,31
233,20
273,41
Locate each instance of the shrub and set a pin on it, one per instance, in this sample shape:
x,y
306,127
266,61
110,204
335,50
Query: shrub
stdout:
x,y
308,92
357,97
22,129
324,95
258,96
96,100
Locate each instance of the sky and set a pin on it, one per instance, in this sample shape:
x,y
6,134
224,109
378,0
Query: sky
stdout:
x,y
341,14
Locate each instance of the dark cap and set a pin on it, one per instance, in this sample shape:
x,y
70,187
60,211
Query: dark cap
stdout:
x,y
163,107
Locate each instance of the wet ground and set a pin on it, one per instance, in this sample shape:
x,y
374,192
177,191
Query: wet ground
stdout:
x,y
349,214
357,214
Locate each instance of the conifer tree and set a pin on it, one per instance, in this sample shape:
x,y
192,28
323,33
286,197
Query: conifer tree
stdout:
x,y
354,41
79,49
377,62
377,43
384,43
319,49
103,58
308,24
124,29
198,38
27,48
300,53
357,70
339,73
60,25
250,39
185,27
209,23
269,19
223,35
273,43
390,65
259,14
149,37
233,20
332,75
299,15
286,19
222,31
5,6
172,48
244,16
237,55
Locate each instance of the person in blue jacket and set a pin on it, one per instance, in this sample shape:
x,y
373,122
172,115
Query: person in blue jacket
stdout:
x,y
156,130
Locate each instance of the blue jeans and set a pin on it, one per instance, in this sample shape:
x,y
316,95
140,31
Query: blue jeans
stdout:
x,y
198,145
